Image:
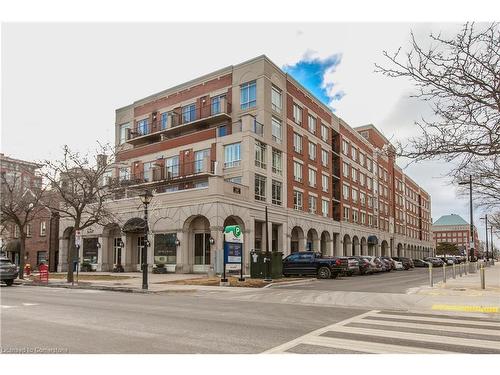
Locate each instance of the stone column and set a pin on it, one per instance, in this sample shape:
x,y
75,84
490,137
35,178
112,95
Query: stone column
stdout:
x,y
101,252
337,245
62,265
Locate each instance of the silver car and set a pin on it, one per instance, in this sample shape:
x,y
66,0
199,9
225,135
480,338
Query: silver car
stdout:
x,y
8,271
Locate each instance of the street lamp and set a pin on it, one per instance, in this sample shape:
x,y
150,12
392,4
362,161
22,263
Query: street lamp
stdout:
x,y
146,198
485,218
471,250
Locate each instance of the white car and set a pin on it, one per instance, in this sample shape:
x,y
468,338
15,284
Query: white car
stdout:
x,y
399,265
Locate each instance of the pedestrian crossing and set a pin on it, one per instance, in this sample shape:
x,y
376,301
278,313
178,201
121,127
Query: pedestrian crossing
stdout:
x,y
390,332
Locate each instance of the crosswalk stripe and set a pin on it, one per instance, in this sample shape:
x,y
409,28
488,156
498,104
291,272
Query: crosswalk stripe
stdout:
x,y
368,347
435,327
437,320
424,337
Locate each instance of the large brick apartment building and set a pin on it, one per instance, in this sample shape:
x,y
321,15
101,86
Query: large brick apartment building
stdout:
x,y
219,149
455,230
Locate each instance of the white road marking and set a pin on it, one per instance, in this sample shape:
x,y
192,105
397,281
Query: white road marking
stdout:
x,y
30,304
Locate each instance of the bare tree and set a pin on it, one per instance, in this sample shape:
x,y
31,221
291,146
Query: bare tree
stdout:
x,y
81,182
21,203
460,78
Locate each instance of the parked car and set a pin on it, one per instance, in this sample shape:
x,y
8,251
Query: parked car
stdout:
x,y
407,262
387,263
8,271
381,265
364,265
313,263
448,261
394,263
352,266
420,263
436,262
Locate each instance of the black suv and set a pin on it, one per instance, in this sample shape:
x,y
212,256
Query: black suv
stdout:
x,y
313,263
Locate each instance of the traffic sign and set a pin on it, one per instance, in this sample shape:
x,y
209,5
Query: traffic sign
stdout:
x,y
78,237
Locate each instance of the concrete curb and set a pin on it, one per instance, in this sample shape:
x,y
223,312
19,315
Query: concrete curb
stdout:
x,y
295,282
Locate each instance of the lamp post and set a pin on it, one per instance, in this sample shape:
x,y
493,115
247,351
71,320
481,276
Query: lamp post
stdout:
x,y
471,250
485,218
146,200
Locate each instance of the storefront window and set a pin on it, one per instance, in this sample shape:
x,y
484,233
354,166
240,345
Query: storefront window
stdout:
x,y
165,248
90,250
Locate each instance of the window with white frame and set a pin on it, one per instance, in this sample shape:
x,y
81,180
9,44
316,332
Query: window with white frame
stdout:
x,y
362,159
260,187
276,192
361,179
324,183
312,151
148,171
277,162
345,169
232,155
312,204
312,177
172,166
369,164
43,228
311,124
346,213
297,200
369,183
297,143
297,171
276,99
370,220
28,230
124,130
345,147
345,191
248,95
260,154
324,132
363,218
142,127
354,195
324,158
354,153
325,207
355,216
297,114
277,130
354,173
124,173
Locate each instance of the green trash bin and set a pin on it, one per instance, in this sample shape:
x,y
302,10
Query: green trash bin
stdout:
x,y
258,266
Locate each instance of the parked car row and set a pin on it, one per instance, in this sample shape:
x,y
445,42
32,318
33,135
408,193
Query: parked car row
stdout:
x,y
366,264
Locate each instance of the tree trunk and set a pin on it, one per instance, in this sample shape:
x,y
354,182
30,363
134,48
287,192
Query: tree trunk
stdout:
x,y
22,252
72,254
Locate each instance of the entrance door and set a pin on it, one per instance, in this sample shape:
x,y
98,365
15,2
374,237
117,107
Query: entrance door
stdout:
x,y
140,249
201,252
117,251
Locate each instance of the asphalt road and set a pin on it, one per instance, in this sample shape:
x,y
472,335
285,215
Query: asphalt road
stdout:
x,y
90,321
383,282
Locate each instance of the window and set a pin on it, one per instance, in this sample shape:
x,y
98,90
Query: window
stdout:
x,y
277,130
297,143
345,169
124,129
277,162
311,124
355,216
165,248
312,151
325,207
248,95
43,228
188,113
324,183
354,173
312,204
362,198
234,180
124,174
346,213
361,179
297,171
41,257
354,195
312,177
172,166
276,192
222,130
142,127
369,164
232,155
324,132
370,220
297,200
164,120
345,191
276,99
363,218
201,161
260,154
148,171
28,230
297,114
260,188
362,159
354,153
324,158
216,104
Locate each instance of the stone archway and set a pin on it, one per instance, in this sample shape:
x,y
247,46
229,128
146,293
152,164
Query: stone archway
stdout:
x,y
355,246
296,239
325,243
364,246
400,250
385,248
197,246
347,245
112,247
67,248
312,243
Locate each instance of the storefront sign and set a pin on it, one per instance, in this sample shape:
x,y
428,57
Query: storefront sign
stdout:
x,y
232,255
232,233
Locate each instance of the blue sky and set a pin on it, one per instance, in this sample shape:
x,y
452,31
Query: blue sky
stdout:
x,y
311,71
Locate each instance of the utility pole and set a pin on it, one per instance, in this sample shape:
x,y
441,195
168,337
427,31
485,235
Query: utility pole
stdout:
x,y
471,242
486,224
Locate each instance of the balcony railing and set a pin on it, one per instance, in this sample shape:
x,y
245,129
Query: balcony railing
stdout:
x,y
170,173
183,116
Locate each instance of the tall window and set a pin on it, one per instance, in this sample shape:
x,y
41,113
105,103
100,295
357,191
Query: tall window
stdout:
x,y
297,171
312,204
324,132
276,192
354,195
232,155
369,164
124,174
172,166
124,128
43,228
345,147
346,213
277,130
297,143
324,158
363,218
260,188
312,151
216,103
361,179
148,171
324,183
165,249
297,200
260,154
248,95
164,120
311,123
325,207
362,159
312,177
276,101
354,153
28,230
201,160
355,216
277,162
188,113
297,114
362,198
354,174
345,169
345,191
142,127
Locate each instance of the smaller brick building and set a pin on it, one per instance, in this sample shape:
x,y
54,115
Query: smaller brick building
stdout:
x,y
455,230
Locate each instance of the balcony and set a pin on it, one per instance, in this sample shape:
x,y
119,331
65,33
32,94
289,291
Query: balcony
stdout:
x,y
186,120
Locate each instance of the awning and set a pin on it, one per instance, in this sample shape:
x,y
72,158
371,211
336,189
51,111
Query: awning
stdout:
x,y
372,240
13,246
134,225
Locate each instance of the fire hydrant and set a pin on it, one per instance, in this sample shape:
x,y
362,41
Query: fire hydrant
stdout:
x,y
27,269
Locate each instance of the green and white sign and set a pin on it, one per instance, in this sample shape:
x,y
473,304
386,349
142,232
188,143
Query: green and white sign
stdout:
x,y
232,234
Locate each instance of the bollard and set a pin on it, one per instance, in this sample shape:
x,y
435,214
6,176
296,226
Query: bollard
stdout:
x,y
460,269
483,281
444,273
431,281
454,271
465,268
